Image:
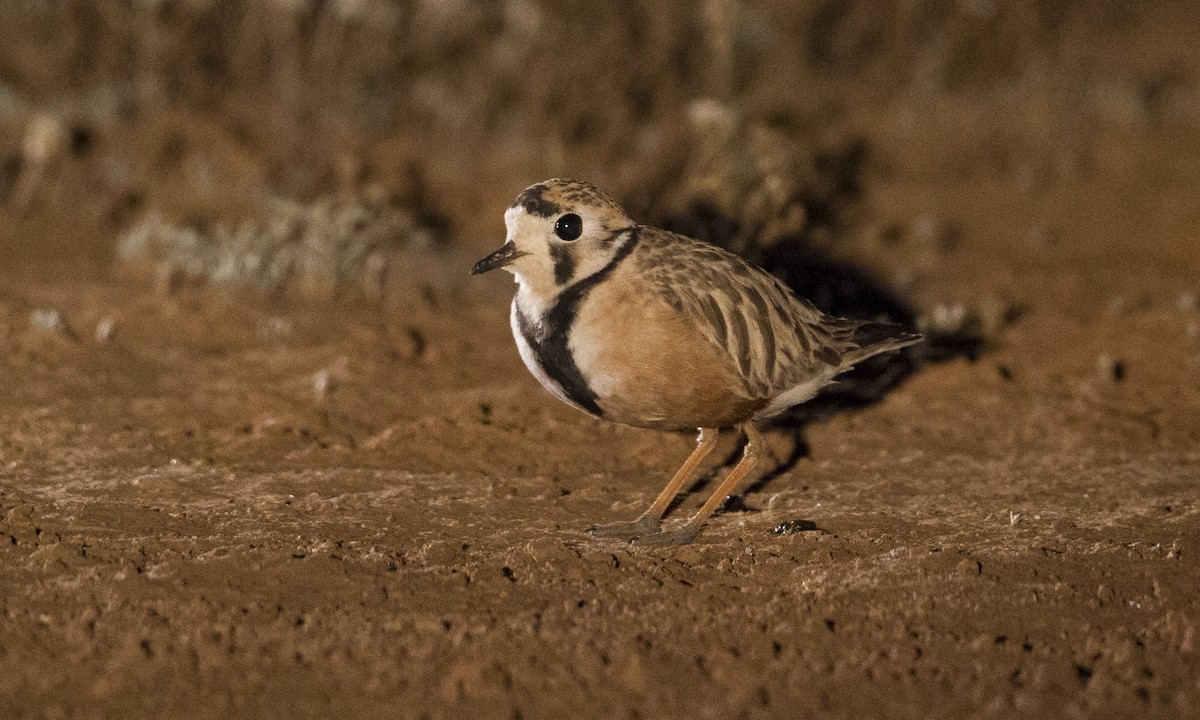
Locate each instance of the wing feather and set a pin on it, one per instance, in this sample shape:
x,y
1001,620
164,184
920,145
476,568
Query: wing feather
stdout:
x,y
770,339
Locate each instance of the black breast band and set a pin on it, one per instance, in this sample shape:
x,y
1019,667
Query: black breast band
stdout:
x,y
549,339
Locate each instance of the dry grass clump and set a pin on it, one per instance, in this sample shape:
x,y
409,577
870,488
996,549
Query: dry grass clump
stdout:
x,y
712,118
327,246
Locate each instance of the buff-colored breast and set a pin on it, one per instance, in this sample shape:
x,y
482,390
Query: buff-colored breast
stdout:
x,y
648,365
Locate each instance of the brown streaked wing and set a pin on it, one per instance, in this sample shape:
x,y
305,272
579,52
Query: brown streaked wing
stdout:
x,y
770,339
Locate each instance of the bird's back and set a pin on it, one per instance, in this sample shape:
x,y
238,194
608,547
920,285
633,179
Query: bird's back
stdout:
x,y
776,344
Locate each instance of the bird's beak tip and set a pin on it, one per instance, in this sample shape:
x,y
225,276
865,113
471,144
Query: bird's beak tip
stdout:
x,y
505,255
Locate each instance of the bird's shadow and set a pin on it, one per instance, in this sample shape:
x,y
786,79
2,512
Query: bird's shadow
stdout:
x,y
839,288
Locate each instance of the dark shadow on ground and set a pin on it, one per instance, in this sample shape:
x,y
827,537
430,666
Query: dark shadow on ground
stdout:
x,y
837,287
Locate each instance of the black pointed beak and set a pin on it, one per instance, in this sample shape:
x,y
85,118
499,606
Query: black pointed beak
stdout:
x,y
505,255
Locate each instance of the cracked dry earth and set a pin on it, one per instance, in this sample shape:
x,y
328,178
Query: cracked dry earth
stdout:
x,y
242,507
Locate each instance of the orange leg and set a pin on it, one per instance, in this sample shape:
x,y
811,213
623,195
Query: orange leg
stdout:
x,y
751,457
647,522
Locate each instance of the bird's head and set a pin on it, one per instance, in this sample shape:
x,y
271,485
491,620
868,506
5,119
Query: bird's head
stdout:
x,y
559,232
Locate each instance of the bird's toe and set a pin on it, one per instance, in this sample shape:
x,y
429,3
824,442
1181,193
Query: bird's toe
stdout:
x,y
682,536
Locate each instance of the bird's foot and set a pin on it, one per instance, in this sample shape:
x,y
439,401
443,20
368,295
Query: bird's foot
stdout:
x,y
642,527
682,536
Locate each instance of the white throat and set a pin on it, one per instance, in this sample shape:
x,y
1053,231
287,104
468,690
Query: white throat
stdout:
x,y
532,304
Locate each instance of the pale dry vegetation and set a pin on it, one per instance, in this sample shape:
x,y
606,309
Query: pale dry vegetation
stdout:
x,y
730,119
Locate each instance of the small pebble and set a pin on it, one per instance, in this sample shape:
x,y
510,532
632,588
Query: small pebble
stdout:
x,y
105,329
48,320
1110,368
794,526
321,383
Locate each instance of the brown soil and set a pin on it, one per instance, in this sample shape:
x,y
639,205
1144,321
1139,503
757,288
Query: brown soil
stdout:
x,y
226,502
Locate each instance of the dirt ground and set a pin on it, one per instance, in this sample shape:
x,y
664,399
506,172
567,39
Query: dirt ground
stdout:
x,y
228,501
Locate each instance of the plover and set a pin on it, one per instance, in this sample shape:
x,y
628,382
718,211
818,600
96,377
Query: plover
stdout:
x,y
652,329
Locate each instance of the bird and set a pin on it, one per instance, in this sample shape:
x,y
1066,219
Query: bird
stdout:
x,y
652,329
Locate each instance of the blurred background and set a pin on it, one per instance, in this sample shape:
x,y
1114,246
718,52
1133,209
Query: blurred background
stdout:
x,y
252,141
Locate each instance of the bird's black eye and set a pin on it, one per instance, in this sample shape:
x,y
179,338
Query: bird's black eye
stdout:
x,y
569,226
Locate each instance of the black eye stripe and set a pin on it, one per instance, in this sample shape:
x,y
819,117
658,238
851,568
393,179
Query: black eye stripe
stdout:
x,y
568,227
564,263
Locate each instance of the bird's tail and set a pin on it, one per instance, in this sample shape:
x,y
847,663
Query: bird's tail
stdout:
x,y
868,339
